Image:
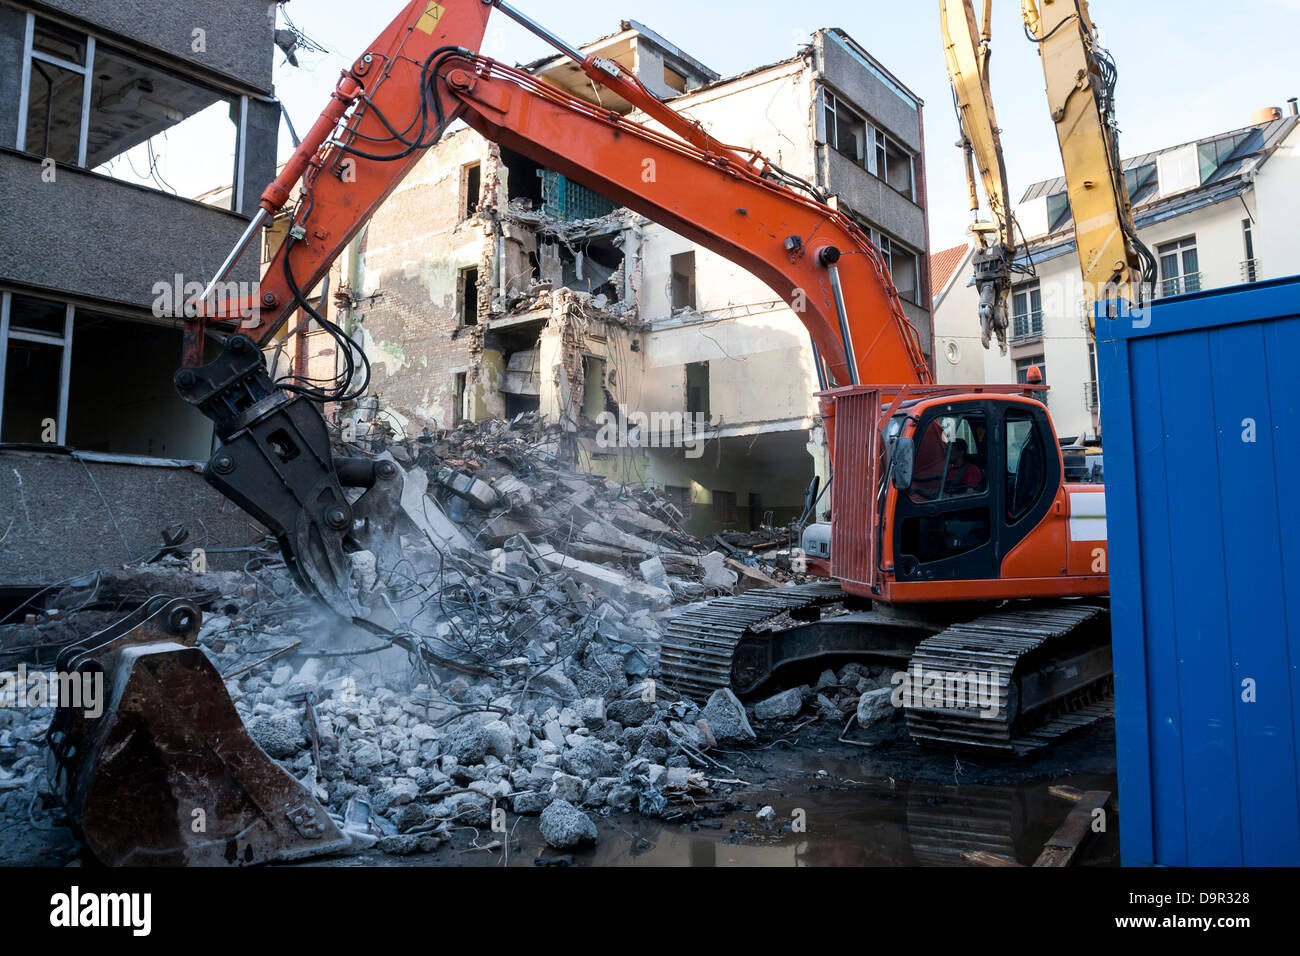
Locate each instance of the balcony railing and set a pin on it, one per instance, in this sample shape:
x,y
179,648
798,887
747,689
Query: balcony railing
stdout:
x,y
1024,326
1177,285
1090,401
1250,270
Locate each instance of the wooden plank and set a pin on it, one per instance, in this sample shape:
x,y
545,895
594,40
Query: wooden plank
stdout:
x,y
984,858
1074,832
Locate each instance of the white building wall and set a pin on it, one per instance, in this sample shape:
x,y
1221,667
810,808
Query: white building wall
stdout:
x,y
1220,248
1277,194
958,354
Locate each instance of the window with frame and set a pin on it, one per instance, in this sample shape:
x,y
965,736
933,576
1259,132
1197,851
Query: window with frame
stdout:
x,y
1249,265
1179,266
846,130
1026,310
902,265
1026,464
951,458
84,103
893,164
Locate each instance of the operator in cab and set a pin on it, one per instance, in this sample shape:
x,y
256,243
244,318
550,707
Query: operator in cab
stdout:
x,y
964,476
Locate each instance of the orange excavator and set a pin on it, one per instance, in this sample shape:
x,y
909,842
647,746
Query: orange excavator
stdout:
x,y
955,546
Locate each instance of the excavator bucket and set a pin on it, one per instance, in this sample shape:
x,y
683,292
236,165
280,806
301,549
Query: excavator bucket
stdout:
x,y
166,774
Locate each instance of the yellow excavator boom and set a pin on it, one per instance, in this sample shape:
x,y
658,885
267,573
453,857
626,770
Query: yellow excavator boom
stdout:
x,y
1080,81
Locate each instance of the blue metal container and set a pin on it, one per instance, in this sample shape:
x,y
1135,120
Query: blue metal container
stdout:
x,y
1201,431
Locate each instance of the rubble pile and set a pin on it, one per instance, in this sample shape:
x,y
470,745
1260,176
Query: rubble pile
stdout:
x,y
514,668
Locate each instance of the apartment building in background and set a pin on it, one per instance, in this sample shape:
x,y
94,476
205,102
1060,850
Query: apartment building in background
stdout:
x,y
1216,211
111,116
487,285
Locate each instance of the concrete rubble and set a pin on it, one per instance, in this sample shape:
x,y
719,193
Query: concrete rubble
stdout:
x,y
535,594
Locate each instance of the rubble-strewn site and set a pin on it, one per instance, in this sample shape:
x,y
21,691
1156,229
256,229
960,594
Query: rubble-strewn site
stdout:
x,y
584,462
530,677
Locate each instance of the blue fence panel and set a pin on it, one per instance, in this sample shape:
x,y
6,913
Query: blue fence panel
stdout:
x,y
1202,445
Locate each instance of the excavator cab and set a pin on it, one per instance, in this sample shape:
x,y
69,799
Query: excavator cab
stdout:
x,y
981,483
979,514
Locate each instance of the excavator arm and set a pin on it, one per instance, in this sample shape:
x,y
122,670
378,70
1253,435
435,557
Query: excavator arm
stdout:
x,y
1080,77
395,101
1080,82
966,48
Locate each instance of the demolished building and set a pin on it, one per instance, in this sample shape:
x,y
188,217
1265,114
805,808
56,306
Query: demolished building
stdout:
x,y
487,285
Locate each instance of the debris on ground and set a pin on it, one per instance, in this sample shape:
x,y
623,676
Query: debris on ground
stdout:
x,y
515,668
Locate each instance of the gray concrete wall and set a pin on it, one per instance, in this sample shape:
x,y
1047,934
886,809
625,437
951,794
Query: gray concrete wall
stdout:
x,y
97,237
12,32
869,197
58,526
851,78
238,33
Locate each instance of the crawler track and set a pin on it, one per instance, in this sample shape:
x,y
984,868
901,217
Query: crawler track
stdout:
x,y
696,655
1006,646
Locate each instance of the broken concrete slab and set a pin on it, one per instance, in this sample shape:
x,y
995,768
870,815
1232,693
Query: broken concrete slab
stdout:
x,y
606,578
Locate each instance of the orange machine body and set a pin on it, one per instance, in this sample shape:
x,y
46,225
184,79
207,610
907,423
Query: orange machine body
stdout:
x,y
1002,525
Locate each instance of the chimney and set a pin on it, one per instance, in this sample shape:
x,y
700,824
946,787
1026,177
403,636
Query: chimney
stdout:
x,y
1292,103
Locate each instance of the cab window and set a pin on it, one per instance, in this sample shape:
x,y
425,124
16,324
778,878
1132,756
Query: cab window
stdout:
x,y
1026,464
951,458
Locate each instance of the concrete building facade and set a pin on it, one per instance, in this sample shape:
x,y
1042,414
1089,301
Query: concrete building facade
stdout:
x,y
487,285
111,116
1215,212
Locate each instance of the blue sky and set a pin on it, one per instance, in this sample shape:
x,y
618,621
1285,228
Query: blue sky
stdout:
x,y
1187,68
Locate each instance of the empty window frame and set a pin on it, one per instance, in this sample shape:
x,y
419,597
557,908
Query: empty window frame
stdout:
x,y
35,357
846,130
83,103
471,187
467,296
682,281
902,265
893,164
697,389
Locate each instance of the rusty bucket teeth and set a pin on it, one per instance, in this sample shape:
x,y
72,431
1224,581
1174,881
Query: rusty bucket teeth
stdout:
x,y
166,774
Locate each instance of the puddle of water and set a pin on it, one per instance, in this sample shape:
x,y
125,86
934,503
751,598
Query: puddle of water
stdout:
x,y
844,823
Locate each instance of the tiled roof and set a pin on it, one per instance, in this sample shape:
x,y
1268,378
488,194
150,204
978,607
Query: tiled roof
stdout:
x,y
943,264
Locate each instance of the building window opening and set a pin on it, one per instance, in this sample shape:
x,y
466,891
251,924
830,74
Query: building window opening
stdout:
x,y
674,80
697,389
460,389
683,281
724,508
523,179
467,297
471,186
92,106
846,131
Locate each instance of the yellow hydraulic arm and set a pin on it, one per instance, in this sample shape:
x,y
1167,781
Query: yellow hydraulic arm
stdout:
x,y
966,47
1080,80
